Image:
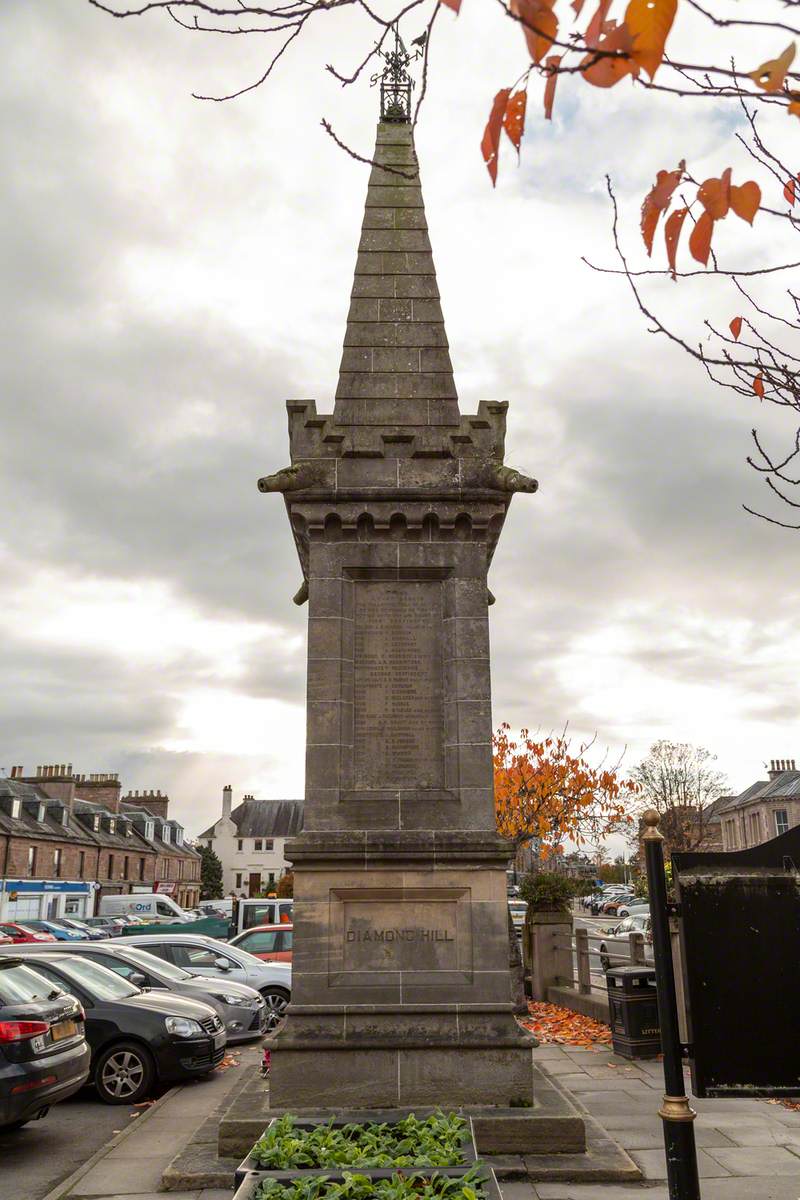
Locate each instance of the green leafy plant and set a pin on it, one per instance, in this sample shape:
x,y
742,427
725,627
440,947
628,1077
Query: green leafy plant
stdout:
x,y
545,891
436,1141
468,1186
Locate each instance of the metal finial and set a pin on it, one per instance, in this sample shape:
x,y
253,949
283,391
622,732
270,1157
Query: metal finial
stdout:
x,y
651,819
395,80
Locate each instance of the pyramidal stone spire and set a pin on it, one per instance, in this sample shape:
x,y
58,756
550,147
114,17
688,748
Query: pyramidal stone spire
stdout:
x,y
396,367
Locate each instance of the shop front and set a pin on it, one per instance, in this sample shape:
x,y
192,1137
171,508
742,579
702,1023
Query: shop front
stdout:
x,y
40,899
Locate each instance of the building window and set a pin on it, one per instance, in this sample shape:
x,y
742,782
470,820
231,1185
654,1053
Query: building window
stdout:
x,y
180,868
31,860
240,844
238,879
141,868
127,867
111,866
81,864
781,821
268,844
57,863
258,844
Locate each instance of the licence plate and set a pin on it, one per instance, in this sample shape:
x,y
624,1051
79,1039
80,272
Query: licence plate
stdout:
x,y
219,1040
64,1029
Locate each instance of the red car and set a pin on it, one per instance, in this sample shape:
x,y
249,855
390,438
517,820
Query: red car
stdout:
x,y
22,933
273,943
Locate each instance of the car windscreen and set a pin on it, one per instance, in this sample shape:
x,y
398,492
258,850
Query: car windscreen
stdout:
x,y
20,985
98,981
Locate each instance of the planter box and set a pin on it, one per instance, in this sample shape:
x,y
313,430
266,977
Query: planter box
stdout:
x,y
250,1164
247,1189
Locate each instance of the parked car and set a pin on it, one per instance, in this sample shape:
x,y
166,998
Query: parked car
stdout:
x,y
21,934
270,943
86,931
206,956
633,907
60,932
611,906
518,910
5,940
242,1009
113,926
44,1055
137,1039
619,935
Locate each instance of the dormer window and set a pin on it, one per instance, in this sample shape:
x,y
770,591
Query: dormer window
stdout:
x,y
149,830
178,836
40,812
165,834
112,824
95,823
16,808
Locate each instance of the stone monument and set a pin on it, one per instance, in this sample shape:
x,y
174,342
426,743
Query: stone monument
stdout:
x,y
401,988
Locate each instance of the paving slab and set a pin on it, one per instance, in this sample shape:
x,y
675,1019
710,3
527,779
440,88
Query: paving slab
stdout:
x,y
601,1191
751,1188
123,1175
654,1164
517,1189
759,1160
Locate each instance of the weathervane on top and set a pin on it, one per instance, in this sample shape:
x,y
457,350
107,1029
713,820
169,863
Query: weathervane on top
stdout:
x,y
395,81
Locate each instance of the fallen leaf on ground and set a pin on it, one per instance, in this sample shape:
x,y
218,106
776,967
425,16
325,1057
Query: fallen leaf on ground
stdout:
x,y
554,1024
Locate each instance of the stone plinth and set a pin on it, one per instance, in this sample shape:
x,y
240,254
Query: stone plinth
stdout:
x,y
401,983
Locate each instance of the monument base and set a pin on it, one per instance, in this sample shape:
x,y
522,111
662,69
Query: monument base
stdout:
x,y
381,1076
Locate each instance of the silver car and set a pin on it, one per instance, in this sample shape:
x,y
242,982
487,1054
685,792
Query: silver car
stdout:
x,y
241,1009
220,961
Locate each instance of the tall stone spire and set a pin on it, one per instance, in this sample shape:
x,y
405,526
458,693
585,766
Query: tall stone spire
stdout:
x,y
396,367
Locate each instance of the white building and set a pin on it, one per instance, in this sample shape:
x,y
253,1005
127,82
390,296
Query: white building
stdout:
x,y
249,841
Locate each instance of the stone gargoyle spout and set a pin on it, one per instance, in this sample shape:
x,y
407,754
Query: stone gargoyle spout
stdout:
x,y
290,479
509,480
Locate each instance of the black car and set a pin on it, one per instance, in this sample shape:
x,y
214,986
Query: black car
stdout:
x,y
44,1056
137,1039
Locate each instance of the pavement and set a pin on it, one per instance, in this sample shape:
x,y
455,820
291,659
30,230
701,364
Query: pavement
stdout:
x,y
747,1149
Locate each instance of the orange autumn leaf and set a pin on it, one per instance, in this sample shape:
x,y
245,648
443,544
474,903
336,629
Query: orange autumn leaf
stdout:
x,y
539,24
771,75
746,200
550,86
454,4
514,118
715,195
736,327
561,1026
577,7
615,62
672,233
788,191
700,241
794,108
758,387
657,200
490,142
597,24
650,22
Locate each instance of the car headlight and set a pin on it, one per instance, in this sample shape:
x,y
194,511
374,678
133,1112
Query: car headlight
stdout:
x,y
183,1027
226,998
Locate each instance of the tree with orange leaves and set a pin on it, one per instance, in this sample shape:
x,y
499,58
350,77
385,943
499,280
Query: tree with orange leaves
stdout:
x,y
544,792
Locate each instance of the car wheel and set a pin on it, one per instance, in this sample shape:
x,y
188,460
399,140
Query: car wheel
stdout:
x,y
277,1001
124,1073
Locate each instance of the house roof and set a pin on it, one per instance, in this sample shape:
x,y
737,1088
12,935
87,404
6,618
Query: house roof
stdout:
x,y
712,812
265,819
786,785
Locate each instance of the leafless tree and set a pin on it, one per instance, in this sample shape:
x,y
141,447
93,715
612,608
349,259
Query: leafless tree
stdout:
x,y
679,781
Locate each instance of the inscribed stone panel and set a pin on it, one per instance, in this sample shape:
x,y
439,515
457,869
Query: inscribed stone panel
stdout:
x,y
399,708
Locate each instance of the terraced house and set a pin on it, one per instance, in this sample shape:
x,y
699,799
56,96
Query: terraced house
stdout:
x,y
68,839
767,808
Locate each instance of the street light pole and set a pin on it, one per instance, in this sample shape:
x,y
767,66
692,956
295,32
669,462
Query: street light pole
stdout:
x,y
676,1115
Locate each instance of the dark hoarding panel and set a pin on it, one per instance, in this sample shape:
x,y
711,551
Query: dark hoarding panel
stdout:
x,y
739,919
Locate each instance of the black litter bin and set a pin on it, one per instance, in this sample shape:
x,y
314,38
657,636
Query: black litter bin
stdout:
x,y
635,1032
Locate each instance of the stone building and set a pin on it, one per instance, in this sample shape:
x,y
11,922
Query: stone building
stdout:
x,y
250,840
67,840
765,809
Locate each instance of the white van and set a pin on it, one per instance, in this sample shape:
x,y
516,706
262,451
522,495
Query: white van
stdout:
x,y
264,912
151,905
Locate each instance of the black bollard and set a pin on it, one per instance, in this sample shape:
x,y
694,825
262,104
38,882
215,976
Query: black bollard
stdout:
x,y
676,1114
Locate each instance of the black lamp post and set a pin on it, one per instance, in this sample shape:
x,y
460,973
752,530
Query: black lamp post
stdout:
x,y
676,1114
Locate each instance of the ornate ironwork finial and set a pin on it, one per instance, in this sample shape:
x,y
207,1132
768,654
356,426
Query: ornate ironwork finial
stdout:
x,y
395,80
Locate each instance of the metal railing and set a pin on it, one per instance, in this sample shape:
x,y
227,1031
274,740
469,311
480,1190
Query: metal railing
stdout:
x,y
588,974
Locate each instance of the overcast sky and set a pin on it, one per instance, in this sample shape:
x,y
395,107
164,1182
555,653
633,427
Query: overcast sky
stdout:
x,y
173,271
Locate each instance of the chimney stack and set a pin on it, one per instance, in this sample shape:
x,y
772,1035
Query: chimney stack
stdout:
x,y
227,801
